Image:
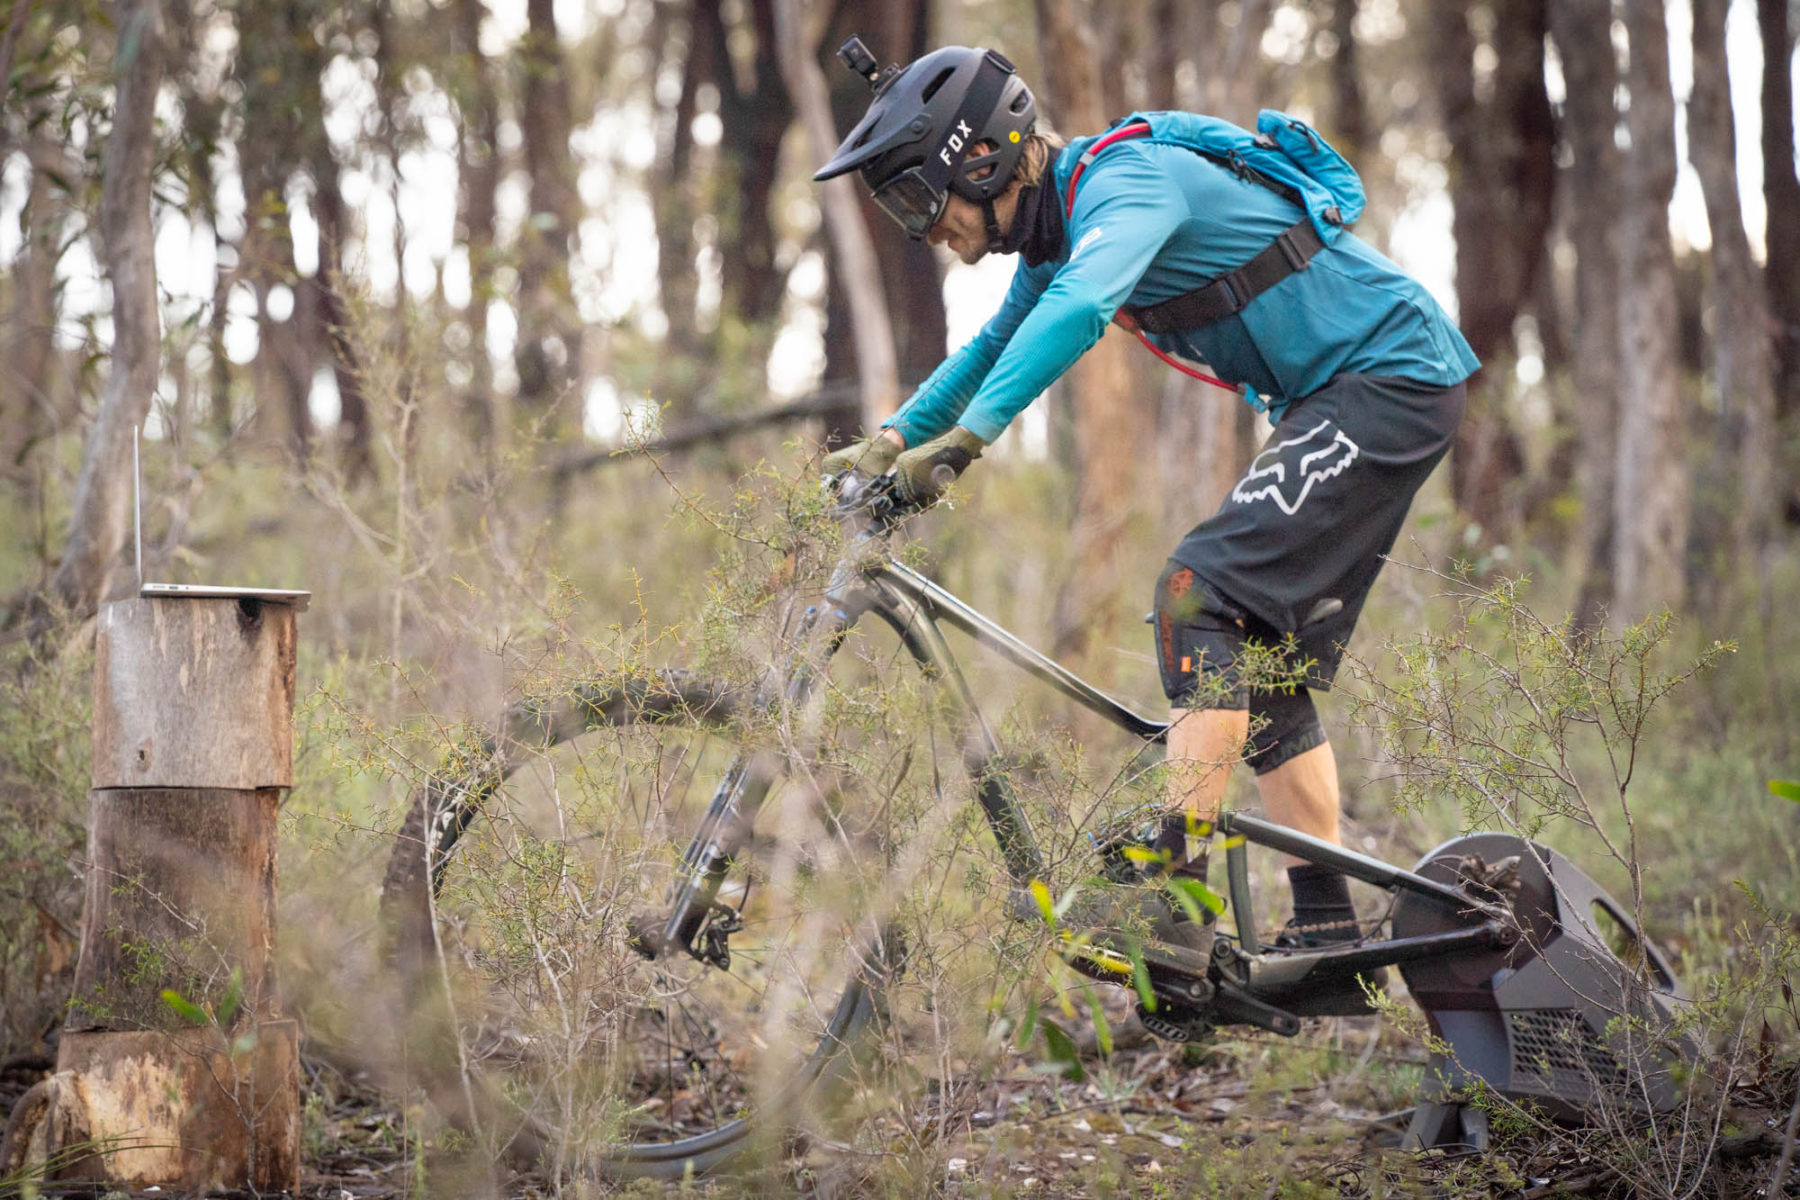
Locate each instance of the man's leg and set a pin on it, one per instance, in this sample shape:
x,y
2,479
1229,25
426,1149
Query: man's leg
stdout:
x,y
1296,774
1203,745
1302,793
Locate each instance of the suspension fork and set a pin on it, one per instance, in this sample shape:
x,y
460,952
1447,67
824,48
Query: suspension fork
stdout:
x,y
694,910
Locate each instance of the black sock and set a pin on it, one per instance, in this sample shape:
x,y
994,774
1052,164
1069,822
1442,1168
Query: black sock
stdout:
x,y
1171,846
1321,895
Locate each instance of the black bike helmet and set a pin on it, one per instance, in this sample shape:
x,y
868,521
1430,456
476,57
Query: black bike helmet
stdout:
x,y
913,144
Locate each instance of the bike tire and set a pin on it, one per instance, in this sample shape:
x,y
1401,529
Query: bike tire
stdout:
x,y
809,1022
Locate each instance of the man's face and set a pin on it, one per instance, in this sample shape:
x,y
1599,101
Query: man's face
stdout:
x,y
962,228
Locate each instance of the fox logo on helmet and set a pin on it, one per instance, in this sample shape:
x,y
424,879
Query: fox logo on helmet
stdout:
x,y
1288,471
955,142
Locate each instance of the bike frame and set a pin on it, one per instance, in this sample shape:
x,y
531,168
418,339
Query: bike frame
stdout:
x,y
917,609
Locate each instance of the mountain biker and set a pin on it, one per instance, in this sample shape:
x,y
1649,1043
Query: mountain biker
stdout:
x,y
1352,360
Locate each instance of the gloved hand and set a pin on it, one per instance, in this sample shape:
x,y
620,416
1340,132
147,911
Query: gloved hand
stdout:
x,y
922,468
871,456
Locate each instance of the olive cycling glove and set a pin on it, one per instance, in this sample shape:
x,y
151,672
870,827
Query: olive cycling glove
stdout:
x,y
871,456
922,469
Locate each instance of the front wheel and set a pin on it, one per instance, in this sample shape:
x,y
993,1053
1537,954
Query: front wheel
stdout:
x,y
525,922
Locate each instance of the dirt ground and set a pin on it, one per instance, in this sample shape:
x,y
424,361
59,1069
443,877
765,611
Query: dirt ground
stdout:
x,y
1318,1115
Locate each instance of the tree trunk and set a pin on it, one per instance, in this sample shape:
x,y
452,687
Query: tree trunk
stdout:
x,y
1781,192
193,739
911,280
478,172
857,268
1350,112
1741,356
276,111
102,508
1112,425
1229,59
1168,19
754,119
1120,27
1502,139
1651,503
678,281
323,304
1583,32
549,337
33,414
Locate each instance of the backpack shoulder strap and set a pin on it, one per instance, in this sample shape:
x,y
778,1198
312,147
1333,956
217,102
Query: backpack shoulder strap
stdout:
x,y
1134,129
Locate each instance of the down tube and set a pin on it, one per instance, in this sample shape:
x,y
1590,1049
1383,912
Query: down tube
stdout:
x,y
981,751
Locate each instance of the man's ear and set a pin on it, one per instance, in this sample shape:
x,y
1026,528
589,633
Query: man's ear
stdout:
x,y
985,146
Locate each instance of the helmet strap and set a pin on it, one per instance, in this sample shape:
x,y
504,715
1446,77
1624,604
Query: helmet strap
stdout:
x,y
996,242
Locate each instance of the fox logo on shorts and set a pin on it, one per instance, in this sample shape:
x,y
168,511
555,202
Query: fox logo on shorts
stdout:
x,y
1287,471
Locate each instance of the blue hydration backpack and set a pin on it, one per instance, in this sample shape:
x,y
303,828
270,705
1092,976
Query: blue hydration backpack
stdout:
x,y
1285,155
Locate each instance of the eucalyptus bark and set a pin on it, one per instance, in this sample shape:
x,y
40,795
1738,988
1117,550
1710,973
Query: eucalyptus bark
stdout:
x,y
1741,354
1229,58
478,176
320,299
1651,503
549,335
1112,425
677,280
1350,110
1781,191
1164,57
857,268
9,46
754,120
33,415
102,508
274,99
911,281
1590,188
1502,170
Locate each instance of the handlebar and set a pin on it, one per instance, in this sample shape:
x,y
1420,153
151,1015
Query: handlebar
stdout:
x,y
877,498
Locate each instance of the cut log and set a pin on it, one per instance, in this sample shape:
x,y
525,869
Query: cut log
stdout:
x,y
194,694
180,896
174,1068
192,1109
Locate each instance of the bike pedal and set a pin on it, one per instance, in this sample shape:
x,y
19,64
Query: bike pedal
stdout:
x,y
1171,1026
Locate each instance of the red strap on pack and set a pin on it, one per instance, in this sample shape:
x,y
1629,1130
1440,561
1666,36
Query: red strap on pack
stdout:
x,y
1139,129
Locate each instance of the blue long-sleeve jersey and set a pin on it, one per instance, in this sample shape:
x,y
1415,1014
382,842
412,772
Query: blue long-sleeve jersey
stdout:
x,y
1153,220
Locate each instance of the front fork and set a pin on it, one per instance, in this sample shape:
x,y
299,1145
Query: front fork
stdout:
x,y
697,922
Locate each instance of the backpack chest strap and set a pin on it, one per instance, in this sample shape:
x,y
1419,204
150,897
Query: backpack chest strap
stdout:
x,y
1291,250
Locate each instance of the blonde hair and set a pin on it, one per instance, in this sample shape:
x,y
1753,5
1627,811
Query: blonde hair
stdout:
x,y
1041,149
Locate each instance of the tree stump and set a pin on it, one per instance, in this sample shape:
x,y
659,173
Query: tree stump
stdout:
x,y
175,1067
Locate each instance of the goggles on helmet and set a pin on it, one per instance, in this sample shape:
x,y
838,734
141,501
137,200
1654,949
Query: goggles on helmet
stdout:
x,y
910,199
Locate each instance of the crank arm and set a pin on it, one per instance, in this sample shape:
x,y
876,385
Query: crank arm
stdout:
x,y
1171,978
1232,1006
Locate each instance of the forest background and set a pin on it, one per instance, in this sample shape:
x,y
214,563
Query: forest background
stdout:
x,y
466,315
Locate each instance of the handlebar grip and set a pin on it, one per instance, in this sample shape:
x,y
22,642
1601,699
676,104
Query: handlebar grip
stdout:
x,y
943,475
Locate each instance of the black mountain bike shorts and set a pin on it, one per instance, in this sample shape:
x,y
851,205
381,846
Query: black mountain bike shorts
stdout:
x,y
1312,519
